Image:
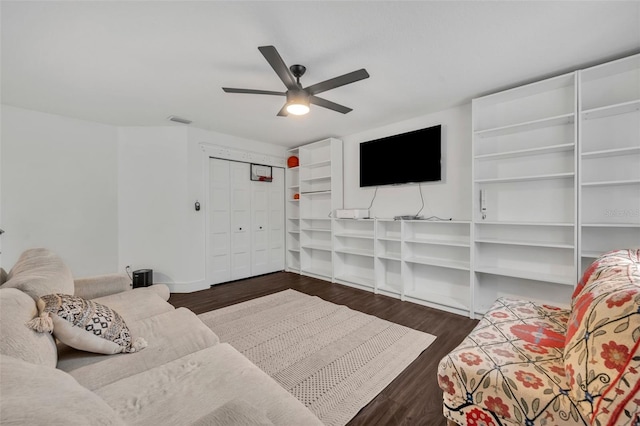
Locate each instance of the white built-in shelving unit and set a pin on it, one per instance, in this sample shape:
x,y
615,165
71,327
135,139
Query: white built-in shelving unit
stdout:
x,y
609,154
422,261
320,179
436,264
353,248
558,164
292,195
525,165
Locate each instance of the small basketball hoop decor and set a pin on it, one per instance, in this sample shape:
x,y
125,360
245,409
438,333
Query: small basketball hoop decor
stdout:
x,y
261,173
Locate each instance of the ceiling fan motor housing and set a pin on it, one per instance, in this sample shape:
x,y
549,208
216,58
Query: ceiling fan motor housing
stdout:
x,y
298,71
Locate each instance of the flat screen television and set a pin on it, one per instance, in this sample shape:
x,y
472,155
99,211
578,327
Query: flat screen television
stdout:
x,y
410,157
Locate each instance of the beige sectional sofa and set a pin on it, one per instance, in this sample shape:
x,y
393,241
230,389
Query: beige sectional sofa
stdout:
x,y
183,376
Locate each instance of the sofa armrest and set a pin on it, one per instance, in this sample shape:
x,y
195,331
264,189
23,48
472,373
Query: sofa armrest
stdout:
x,y
101,285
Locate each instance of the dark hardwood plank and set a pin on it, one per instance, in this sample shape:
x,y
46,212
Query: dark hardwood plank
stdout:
x,y
414,397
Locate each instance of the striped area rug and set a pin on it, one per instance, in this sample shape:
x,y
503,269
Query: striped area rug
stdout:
x,y
332,358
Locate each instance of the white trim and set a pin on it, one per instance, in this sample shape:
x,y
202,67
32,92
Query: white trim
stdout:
x,y
187,287
227,153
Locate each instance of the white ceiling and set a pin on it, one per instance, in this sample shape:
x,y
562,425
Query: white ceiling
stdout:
x,y
135,63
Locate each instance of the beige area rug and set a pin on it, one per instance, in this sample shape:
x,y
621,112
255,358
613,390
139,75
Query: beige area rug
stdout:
x,y
332,358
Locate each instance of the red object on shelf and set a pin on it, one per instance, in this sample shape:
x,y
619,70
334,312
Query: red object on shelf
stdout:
x,y
292,161
296,196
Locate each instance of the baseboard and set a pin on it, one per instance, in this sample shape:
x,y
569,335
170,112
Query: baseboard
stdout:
x,y
186,287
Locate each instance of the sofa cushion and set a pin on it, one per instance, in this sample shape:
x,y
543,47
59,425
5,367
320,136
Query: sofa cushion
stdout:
x,y
137,304
602,353
236,412
39,272
170,335
41,395
85,325
187,389
18,340
510,367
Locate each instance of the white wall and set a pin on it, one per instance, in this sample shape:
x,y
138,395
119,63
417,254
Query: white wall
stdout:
x,y
59,189
161,174
448,199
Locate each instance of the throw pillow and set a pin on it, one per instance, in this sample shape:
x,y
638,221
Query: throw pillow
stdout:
x,y
84,325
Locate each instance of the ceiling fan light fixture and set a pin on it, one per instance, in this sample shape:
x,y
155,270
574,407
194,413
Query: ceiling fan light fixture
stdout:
x,y
298,108
297,103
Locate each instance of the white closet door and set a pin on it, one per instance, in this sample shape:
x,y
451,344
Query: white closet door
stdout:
x,y
219,238
276,221
259,228
240,186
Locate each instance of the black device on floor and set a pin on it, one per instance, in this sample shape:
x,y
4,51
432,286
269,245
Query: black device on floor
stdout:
x,y
142,278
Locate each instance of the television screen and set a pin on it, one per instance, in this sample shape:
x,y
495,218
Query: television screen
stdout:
x,y
410,157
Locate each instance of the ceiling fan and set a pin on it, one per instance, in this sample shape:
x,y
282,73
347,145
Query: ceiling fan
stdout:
x,y
298,97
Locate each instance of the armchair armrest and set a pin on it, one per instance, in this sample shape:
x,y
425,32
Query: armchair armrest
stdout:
x,y
101,285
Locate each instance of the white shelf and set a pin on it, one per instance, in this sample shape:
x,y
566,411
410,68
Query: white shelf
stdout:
x,y
391,287
316,179
316,229
354,235
439,299
496,223
398,239
612,152
315,247
524,243
356,279
358,252
528,275
528,178
611,225
611,110
442,263
459,242
296,250
318,272
294,231
388,256
316,164
308,193
527,126
526,152
613,183
315,218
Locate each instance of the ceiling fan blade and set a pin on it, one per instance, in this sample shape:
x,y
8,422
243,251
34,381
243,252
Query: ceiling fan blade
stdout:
x,y
328,104
252,91
275,60
283,112
332,83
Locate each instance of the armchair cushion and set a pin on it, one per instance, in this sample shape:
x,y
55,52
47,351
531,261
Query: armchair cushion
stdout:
x,y
509,370
602,353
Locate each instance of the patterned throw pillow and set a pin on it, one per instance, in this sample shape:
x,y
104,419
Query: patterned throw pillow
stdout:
x,y
84,325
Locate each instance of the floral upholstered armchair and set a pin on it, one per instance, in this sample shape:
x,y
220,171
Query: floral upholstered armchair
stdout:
x,y
531,364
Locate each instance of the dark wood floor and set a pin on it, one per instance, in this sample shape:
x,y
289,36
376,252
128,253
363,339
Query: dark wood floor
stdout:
x,y
414,397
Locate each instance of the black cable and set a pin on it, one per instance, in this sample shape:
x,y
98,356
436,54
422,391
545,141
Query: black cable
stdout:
x,y
374,197
422,198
